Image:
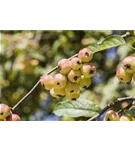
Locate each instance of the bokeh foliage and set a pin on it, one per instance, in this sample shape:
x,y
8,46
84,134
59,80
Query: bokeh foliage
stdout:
x,y
27,55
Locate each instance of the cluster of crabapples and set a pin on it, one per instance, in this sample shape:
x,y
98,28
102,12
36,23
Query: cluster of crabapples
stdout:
x,y
7,115
126,71
74,74
112,115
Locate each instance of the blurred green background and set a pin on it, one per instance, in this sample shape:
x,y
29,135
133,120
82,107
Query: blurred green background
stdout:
x,y
27,55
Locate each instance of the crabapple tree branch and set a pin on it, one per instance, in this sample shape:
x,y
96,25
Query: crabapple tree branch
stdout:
x,y
55,68
118,101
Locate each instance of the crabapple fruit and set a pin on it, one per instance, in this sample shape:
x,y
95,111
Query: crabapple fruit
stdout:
x,y
13,117
74,76
53,94
64,66
47,81
73,96
111,115
88,70
125,118
85,55
59,92
4,111
123,76
71,87
60,80
84,82
75,63
128,63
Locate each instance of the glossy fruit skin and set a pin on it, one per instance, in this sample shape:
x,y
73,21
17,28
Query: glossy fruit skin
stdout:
x,y
125,118
85,55
111,115
74,76
53,94
60,80
123,76
64,66
60,92
128,64
73,96
88,70
71,88
4,111
47,81
75,63
84,82
13,117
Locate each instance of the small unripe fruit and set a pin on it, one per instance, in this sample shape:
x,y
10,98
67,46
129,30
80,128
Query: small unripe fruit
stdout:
x,y
64,66
59,92
60,80
88,70
134,76
84,82
74,76
73,96
4,111
53,94
13,117
111,115
123,76
85,55
125,118
75,63
128,64
71,88
47,81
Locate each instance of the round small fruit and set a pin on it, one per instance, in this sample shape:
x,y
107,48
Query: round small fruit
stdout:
x,y
128,64
73,96
53,94
88,70
75,63
111,115
85,55
47,81
60,80
71,88
4,111
125,118
134,76
84,82
13,117
123,76
74,76
60,92
64,66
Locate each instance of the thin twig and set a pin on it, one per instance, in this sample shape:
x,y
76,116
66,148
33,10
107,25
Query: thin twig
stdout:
x,y
21,100
55,68
119,100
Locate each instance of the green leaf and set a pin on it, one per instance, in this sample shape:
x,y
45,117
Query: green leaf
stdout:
x,y
109,42
112,41
76,108
94,47
131,111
